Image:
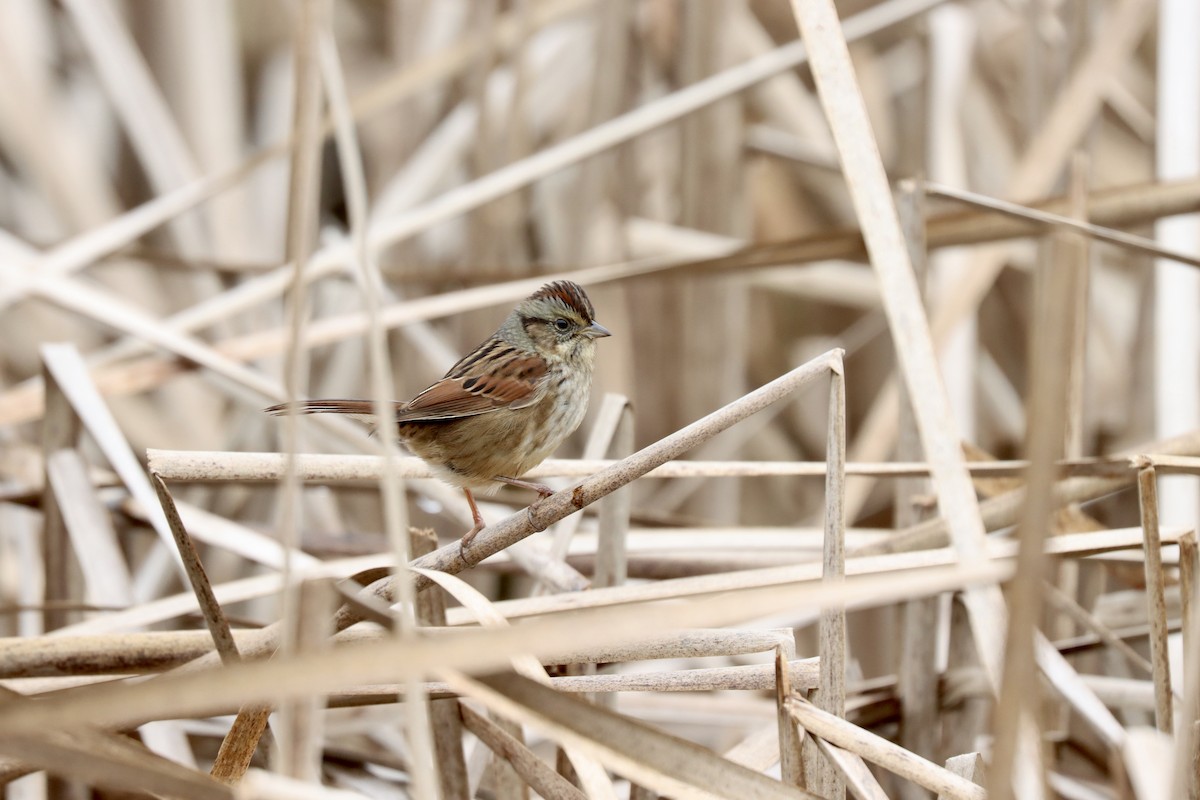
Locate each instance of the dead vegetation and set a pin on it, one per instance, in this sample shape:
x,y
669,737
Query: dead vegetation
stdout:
x,y
886,486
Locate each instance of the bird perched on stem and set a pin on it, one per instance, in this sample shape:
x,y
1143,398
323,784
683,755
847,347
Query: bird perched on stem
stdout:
x,y
506,406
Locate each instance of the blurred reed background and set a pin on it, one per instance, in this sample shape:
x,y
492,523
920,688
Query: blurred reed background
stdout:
x,y
160,180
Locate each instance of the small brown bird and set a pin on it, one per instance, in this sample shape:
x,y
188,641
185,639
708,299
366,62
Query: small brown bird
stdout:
x,y
505,407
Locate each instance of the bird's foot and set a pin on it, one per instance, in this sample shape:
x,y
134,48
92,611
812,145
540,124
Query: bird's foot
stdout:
x,y
467,538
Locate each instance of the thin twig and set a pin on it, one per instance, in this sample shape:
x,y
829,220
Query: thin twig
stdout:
x,y
1139,244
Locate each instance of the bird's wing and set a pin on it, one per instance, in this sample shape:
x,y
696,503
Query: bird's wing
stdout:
x,y
512,380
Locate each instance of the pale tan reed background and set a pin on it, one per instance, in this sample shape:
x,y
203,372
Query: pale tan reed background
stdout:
x,y
165,166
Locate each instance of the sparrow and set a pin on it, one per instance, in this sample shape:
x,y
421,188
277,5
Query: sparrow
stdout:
x,y
505,406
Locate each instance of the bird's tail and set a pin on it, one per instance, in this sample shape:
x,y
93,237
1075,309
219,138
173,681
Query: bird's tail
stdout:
x,y
359,409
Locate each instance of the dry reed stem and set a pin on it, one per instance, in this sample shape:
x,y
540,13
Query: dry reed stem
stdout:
x,y
1079,545
1176,354
262,785
445,716
304,617
241,467
1003,510
653,759
759,750
214,617
1155,603
113,312
870,192
1138,244
853,772
1189,560
789,744
1168,463
1124,694
371,283
614,511
58,588
1111,207
423,757
541,778
221,532
1066,681
583,767
831,695
301,726
970,766
172,606
483,612
299,238
1076,252
70,374
917,669
196,691
752,677
258,641
113,761
1148,754
1065,603
1056,310
880,751
1185,778
106,577
135,653
239,745
748,678
611,415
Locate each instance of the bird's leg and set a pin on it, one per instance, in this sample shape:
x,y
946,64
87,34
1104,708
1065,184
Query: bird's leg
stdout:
x,y
542,489
475,515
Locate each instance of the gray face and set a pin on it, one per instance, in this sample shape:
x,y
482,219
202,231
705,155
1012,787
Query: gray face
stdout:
x,y
558,321
560,334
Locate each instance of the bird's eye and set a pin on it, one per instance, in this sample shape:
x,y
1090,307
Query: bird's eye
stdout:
x,y
561,324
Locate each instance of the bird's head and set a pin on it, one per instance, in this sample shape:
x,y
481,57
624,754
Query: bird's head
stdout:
x,y
559,321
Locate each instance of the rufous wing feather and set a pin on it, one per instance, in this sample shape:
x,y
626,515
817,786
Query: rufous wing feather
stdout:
x,y
511,382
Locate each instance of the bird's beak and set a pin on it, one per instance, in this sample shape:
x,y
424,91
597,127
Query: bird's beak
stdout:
x,y
595,331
